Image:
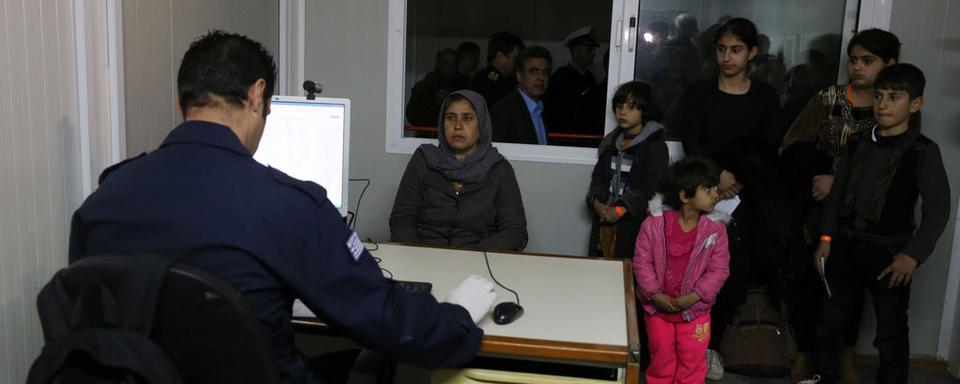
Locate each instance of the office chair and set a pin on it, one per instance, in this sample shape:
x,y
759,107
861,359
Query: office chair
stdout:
x,y
200,327
210,332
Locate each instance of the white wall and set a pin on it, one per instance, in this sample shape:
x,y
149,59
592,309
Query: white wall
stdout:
x,y
38,112
156,33
931,41
347,52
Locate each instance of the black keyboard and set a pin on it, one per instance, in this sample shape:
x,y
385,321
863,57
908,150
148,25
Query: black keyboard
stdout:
x,y
415,286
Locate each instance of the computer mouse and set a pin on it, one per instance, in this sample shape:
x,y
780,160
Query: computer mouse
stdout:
x,y
506,312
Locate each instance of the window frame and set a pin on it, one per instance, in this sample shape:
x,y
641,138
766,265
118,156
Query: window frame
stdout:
x,y
396,53
869,14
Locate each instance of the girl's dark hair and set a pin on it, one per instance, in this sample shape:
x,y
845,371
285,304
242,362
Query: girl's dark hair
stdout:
x,y
638,94
742,28
884,44
687,176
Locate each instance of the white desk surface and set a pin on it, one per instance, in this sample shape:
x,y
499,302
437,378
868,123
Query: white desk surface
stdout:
x,y
578,300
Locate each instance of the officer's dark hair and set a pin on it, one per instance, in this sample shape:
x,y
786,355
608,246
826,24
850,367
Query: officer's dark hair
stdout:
x,y
687,176
503,42
884,44
535,52
445,51
638,94
903,77
742,28
468,46
226,65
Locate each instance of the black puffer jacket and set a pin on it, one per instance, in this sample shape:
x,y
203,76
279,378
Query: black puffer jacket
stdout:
x,y
644,161
487,215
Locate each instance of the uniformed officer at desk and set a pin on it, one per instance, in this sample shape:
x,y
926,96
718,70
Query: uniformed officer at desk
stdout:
x,y
274,238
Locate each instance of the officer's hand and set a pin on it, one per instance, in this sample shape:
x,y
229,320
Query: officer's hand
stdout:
x,y
475,294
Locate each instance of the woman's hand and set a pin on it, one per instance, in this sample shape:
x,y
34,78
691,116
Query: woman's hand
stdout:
x,y
822,184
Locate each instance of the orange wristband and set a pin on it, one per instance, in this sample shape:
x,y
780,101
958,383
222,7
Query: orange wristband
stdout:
x,y
826,238
620,211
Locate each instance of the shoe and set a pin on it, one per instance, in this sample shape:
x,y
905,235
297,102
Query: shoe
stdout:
x,y
800,369
813,380
714,365
848,367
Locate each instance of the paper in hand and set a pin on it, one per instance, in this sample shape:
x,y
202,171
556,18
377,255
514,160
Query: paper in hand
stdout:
x,y
823,276
728,205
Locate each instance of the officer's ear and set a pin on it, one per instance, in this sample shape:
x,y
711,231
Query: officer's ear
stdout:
x,y
255,95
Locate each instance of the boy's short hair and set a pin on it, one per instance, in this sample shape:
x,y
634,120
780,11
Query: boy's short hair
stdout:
x,y
503,42
687,176
901,77
882,43
638,94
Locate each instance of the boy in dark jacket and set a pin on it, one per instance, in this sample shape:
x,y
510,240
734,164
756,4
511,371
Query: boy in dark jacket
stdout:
x,y
869,237
630,162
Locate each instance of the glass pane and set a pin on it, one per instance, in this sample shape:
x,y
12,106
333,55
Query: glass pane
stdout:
x,y
800,47
573,101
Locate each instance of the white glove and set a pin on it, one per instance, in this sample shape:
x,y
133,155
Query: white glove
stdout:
x,y
475,294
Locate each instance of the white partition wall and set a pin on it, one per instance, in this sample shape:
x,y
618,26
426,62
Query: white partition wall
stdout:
x,y
156,33
38,154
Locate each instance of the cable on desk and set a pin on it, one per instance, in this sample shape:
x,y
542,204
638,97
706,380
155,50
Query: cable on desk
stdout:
x,y
487,260
356,214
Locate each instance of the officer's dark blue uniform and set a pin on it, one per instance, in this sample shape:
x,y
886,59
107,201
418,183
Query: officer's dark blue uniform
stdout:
x,y
274,238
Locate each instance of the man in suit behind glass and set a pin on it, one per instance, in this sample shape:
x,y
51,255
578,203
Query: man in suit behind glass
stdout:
x,y
518,118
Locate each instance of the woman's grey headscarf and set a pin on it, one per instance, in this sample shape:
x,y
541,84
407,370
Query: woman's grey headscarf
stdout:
x,y
475,166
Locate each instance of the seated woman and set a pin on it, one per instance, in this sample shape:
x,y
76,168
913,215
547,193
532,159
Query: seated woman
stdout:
x,y
460,192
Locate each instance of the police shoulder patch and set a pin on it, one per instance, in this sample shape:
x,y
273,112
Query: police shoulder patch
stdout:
x,y
355,246
493,75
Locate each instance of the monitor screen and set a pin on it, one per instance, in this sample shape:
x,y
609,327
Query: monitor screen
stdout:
x,y
310,140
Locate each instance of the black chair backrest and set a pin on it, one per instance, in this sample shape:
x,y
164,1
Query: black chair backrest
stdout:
x,y
148,318
210,332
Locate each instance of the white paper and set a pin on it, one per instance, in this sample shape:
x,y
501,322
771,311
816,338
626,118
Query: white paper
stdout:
x,y
728,205
823,276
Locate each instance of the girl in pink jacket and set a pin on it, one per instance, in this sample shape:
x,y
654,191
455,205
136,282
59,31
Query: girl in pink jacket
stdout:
x,y
681,261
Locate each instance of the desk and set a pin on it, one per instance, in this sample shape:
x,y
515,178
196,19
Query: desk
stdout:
x,y
577,310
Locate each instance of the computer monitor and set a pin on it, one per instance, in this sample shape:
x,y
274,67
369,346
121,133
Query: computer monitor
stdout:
x,y
310,140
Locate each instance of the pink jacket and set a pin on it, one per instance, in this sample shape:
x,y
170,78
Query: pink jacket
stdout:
x,y
708,267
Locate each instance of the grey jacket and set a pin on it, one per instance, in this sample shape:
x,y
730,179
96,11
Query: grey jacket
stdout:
x,y
487,215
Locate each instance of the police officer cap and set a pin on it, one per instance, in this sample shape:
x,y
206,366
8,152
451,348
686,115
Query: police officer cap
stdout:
x,y
582,36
